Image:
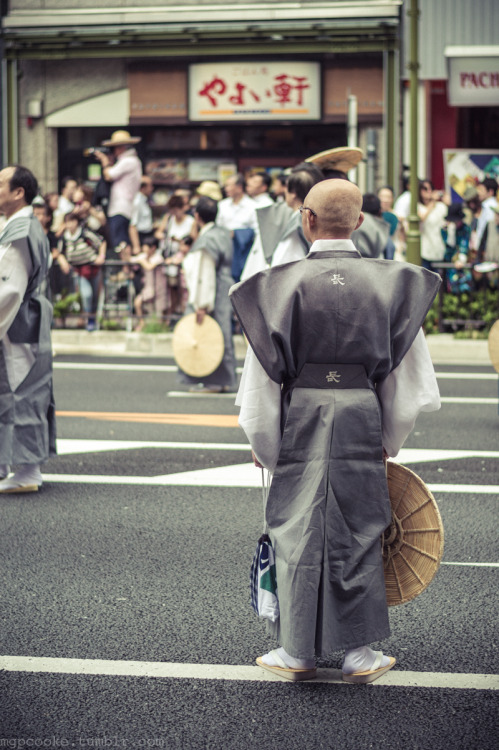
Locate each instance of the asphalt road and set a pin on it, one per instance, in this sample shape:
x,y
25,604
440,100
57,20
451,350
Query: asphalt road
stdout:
x,y
124,607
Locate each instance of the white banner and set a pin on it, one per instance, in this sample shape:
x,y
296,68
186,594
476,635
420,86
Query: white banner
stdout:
x,y
255,91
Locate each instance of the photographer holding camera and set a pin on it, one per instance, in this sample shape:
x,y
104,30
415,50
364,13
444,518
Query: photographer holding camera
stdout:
x,y
122,168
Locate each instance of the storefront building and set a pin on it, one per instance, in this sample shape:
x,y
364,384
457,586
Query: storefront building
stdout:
x,y
210,88
459,90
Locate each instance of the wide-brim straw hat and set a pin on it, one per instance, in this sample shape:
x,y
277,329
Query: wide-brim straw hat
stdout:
x,y
493,342
342,159
198,349
121,138
413,544
210,189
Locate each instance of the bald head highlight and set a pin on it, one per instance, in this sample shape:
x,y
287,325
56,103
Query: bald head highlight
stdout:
x,y
338,205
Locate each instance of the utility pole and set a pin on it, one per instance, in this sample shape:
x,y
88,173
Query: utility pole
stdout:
x,y
413,251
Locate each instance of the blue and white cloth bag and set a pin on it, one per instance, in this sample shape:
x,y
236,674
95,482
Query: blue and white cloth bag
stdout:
x,y
263,582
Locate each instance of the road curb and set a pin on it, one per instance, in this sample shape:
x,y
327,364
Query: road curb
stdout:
x,y
444,348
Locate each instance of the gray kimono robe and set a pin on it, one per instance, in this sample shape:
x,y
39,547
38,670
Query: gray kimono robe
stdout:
x,y
27,411
328,328
217,242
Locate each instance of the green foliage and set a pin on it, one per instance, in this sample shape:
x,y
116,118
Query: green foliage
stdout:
x,y
110,325
67,304
468,312
154,325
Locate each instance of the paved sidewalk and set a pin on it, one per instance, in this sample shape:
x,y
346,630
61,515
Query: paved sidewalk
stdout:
x,y
444,348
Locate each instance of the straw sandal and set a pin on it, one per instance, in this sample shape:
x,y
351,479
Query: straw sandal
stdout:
x,y
284,671
361,678
20,489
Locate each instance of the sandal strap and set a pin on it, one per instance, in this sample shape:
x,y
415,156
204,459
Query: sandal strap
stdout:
x,y
278,659
377,661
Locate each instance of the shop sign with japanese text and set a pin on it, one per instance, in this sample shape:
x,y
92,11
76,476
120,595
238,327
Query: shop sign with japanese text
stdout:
x,y
255,91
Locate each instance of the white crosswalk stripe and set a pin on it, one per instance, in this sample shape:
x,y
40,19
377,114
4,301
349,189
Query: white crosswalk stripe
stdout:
x,y
175,670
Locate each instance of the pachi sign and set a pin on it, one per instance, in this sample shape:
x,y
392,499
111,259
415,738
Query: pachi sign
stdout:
x,y
255,91
473,80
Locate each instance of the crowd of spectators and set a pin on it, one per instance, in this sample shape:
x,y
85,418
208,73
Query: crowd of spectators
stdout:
x,y
148,244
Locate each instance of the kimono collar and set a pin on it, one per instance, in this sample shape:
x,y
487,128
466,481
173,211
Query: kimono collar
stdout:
x,y
321,245
206,227
25,211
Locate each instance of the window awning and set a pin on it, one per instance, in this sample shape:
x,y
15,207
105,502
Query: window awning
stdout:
x,y
111,109
217,29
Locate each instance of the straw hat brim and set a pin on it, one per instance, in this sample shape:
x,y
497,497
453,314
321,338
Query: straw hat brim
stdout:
x,y
343,158
493,342
198,349
413,544
123,138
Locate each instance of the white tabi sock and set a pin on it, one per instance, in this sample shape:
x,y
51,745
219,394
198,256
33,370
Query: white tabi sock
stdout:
x,y
290,661
361,660
24,476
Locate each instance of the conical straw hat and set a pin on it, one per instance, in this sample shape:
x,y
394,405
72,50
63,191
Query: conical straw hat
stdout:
x,y
413,544
198,349
343,158
494,345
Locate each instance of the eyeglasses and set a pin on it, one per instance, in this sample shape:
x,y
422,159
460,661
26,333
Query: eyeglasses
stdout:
x,y
306,208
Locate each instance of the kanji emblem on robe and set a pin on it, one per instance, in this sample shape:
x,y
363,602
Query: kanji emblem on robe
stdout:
x,y
333,377
337,279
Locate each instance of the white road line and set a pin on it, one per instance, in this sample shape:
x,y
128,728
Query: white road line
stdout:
x,y
470,489
118,367
472,401
175,670
467,375
406,455
68,446
472,564
132,367
211,396
239,475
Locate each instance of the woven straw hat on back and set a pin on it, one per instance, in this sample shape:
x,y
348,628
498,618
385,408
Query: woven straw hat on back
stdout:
x,y
494,345
343,158
198,349
413,544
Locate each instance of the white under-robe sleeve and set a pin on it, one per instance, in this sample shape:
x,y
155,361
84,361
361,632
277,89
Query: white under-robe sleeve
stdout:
x,y
15,266
408,390
259,399
200,278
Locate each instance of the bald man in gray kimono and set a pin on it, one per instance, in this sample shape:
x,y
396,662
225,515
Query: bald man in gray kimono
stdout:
x,y
27,435
336,372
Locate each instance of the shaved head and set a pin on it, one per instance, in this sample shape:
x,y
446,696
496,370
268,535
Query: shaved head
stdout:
x,y
337,205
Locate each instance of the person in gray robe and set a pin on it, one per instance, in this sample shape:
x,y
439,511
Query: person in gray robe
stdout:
x,y
27,437
280,237
331,338
208,273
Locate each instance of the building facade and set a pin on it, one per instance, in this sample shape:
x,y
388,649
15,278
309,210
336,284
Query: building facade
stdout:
x,y
210,87
214,87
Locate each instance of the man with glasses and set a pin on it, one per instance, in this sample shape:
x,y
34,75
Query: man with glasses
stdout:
x,y
332,338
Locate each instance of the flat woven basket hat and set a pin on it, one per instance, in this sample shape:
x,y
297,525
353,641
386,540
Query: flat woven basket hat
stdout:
x,y
413,544
198,349
494,345
343,158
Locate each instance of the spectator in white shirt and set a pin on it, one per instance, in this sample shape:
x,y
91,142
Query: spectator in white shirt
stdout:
x,y
141,222
258,186
237,211
487,192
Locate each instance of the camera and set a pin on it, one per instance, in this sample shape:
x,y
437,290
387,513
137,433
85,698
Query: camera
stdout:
x,y
91,151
